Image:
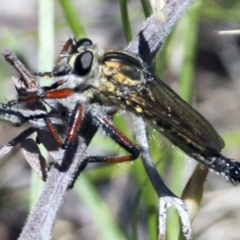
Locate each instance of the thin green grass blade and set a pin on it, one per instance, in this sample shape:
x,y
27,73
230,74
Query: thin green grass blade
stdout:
x,y
105,222
146,8
125,20
72,18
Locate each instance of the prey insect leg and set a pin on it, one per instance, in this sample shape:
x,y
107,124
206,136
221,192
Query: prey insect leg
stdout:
x,y
30,150
18,117
30,84
12,143
26,77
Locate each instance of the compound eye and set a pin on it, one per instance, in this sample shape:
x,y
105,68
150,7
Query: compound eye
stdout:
x,y
84,42
83,63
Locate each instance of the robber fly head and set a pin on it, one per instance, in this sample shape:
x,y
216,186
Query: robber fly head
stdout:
x,y
78,58
75,55
78,63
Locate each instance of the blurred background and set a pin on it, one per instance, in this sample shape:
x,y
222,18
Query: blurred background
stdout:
x,y
123,195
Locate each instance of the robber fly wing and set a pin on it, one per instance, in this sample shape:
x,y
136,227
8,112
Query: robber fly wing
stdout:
x,y
172,112
152,99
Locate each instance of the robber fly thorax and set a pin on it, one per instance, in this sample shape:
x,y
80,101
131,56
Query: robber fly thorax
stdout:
x,y
86,69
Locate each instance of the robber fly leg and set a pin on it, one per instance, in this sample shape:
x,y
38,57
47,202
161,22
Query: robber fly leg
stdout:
x,y
119,138
72,127
54,94
72,131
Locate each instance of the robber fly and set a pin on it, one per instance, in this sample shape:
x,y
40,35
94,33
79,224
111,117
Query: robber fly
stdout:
x,y
92,77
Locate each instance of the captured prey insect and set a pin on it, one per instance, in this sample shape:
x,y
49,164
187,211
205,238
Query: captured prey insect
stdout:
x,y
90,77
33,114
